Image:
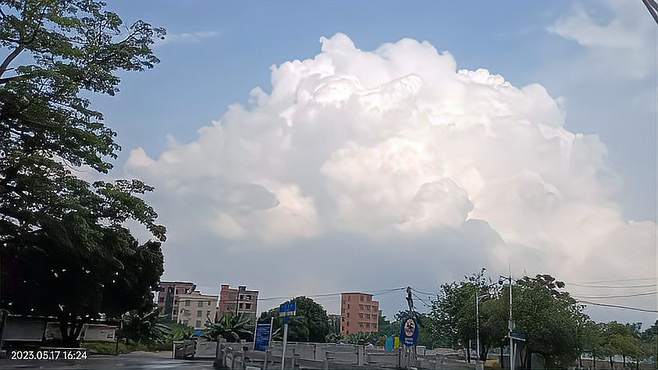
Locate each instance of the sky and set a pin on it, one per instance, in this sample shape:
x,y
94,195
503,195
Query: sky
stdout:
x,y
306,147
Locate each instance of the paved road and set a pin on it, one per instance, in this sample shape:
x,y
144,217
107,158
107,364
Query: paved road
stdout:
x,y
130,361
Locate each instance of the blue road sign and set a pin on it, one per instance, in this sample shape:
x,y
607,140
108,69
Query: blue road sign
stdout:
x,y
262,339
409,331
288,308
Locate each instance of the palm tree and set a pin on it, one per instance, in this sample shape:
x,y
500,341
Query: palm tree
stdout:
x,y
229,327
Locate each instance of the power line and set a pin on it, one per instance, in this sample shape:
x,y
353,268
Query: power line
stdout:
x,y
617,296
421,292
424,302
612,286
321,295
616,280
618,306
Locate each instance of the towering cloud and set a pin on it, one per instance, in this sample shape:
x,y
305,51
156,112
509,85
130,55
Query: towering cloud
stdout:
x,y
370,153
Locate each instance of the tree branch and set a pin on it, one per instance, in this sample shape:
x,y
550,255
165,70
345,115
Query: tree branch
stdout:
x,y
10,58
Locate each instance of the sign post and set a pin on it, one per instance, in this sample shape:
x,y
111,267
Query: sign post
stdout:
x,y
286,310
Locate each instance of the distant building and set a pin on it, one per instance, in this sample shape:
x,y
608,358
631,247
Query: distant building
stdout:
x,y
237,301
359,313
167,296
194,309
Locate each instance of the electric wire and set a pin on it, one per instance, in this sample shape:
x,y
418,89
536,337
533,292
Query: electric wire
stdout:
x,y
618,306
616,296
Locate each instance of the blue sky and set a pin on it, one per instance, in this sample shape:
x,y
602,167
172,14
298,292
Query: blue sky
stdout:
x,y
218,51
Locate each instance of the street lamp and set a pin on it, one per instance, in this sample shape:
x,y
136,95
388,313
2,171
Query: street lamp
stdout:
x,y
510,325
477,322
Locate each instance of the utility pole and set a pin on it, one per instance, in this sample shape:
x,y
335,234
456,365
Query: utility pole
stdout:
x,y
511,325
477,325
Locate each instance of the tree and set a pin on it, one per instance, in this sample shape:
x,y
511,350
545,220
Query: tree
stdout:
x,y
388,328
61,236
140,327
550,318
310,324
453,314
230,327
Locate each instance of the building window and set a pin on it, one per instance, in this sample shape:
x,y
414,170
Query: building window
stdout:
x,y
187,303
198,324
199,313
200,303
360,315
247,306
348,315
361,298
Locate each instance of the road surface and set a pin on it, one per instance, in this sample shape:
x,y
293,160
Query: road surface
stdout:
x,y
130,361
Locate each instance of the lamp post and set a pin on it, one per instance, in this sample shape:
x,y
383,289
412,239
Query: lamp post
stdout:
x,y
477,323
510,325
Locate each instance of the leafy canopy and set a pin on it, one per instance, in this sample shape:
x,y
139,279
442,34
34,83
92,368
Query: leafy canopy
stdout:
x,y
60,235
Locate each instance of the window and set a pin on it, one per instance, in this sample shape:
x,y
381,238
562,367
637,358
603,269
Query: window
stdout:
x,y
197,324
348,299
360,324
249,298
247,306
348,315
187,303
241,297
241,305
361,298
199,313
200,304
368,308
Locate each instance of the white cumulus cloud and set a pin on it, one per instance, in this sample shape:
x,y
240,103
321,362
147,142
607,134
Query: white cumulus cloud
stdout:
x,y
398,144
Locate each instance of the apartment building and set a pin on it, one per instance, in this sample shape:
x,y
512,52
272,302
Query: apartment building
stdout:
x,y
359,313
237,301
194,309
167,301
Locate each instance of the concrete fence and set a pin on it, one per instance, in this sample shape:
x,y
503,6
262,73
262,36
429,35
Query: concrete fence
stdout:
x,y
328,356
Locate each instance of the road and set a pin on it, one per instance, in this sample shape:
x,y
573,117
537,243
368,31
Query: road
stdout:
x,y
130,361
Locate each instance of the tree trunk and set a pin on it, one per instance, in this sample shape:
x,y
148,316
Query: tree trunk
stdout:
x,y
70,332
612,366
502,363
529,362
484,353
623,359
468,354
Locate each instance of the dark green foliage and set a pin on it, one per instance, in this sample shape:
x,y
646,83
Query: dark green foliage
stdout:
x,y
230,327
549,317
144,328
311,324
64,249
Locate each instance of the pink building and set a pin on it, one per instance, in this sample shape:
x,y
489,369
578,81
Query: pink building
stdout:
x,y
359,313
